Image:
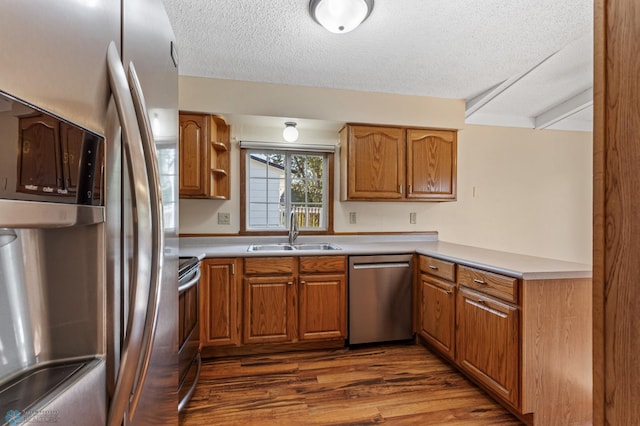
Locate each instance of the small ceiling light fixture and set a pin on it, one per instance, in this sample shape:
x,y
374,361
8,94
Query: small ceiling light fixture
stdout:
x,y
340,16
290,133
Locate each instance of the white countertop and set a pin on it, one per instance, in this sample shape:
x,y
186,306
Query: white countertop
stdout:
x,y
516,265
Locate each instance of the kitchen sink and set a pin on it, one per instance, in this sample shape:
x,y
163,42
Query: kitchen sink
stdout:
x,y
270,247
286,247
316,246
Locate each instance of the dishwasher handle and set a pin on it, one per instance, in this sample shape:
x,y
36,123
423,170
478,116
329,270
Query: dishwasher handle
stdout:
x,y
381,265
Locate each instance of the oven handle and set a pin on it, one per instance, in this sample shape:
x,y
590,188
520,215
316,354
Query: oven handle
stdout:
x,y
192,389
186,286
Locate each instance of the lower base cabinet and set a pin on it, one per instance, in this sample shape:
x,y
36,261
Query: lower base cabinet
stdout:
x,y
437,314
220,303
272,301
528,342
269,314
488,343
323,298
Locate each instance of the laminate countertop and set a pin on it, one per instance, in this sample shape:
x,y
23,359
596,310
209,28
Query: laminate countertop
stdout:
x,y
511,264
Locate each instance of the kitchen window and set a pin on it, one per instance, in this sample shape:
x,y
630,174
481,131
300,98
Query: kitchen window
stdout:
x,y
278,181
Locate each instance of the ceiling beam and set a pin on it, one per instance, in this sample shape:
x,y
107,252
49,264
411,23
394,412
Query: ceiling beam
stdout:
x,y
566,109
473,105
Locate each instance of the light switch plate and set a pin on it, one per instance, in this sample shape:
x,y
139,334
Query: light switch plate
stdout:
x,y
412,218
224,218
352,218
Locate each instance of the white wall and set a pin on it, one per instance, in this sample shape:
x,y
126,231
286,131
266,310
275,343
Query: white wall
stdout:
x,y
532,187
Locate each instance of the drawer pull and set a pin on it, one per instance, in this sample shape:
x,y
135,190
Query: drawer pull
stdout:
x,y
435,268
475,280
480,304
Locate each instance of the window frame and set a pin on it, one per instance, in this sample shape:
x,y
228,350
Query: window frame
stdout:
x,y
329,179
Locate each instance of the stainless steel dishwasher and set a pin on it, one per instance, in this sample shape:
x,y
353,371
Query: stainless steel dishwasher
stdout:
x,y
380,301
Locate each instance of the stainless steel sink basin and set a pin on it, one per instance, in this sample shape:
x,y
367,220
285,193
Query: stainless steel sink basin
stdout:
x,y
316,246
286,247
270,247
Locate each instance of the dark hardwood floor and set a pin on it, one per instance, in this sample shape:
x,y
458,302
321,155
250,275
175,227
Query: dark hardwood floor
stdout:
x,y
397,384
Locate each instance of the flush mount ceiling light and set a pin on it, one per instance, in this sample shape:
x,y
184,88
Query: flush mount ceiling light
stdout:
x,y
290,133
340,16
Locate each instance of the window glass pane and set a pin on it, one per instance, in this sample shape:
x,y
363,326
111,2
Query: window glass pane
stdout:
x,y
258,216
278,182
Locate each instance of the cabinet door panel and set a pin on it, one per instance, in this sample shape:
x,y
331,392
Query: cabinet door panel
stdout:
x,y
220,303
323,307
376,162
431,164
269,309
488,342
192,155
437,313
40,166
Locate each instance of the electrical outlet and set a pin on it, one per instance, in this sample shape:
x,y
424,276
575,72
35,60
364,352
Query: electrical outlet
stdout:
x,y
412,218
352,218
224,218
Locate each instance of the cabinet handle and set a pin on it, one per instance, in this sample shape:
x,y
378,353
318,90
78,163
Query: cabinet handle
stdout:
x,y
435,268
449,292
400,188
410,190
290,283
475,280
303,282
481,304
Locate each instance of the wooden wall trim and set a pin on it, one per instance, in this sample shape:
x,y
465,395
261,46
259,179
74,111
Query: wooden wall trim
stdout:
x,y
616,223
599,86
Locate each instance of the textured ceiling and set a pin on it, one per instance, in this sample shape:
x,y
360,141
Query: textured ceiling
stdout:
x,y
442,48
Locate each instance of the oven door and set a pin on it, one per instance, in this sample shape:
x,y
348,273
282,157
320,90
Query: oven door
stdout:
x,y
188,329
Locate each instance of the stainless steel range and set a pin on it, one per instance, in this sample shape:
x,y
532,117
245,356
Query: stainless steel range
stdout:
x,y
188,329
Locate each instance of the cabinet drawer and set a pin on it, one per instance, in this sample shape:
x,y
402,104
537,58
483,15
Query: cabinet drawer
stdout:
x,y
268,265
322,264
505,288
437,267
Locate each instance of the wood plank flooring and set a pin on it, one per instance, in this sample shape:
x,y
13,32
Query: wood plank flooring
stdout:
x,y
396,384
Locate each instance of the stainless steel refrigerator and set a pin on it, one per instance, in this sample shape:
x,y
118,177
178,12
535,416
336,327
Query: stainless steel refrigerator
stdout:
x,y
88,213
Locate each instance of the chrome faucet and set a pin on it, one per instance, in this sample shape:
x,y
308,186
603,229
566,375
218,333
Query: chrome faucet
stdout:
x,y
293,227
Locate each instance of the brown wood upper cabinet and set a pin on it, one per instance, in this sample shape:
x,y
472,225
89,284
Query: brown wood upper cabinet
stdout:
x,y
204,156
397,163
50,155
431,164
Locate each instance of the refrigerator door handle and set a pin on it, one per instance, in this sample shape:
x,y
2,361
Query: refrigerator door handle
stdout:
x,y
151,156
142,238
